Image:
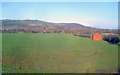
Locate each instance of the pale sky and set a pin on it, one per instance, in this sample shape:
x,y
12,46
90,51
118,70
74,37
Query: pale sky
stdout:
x,y
95,14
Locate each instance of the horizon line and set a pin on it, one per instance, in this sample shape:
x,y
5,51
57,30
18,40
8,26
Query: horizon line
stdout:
x,y
63,22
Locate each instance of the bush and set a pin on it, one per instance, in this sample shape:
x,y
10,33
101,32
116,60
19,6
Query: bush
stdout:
x,y
82,35
111,39
85,36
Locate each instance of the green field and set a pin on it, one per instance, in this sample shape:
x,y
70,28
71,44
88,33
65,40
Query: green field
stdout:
x,y
56,53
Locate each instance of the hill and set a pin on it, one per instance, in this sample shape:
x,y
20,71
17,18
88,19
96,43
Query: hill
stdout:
x,y
38,26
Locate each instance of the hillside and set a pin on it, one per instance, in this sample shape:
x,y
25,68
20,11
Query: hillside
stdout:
x,y
39,26
20,23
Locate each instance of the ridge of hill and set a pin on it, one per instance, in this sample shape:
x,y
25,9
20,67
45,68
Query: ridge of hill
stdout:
x,y
40,26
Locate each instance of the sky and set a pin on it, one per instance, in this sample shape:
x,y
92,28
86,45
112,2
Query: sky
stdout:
x,y
59,0
95,14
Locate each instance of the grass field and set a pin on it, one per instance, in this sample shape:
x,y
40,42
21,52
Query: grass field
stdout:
x,y
56,53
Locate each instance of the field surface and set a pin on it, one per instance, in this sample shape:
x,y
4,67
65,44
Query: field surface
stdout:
x,y
56,53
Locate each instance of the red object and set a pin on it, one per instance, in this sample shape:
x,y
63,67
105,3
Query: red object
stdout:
x,y
97,36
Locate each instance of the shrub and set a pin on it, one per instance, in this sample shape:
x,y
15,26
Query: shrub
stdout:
x,y
111,39
85,36
82,35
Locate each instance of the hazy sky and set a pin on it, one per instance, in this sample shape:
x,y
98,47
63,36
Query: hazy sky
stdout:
x,y
95,14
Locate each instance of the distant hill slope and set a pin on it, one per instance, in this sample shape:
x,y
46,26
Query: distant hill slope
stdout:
x,y
37,23
51,27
